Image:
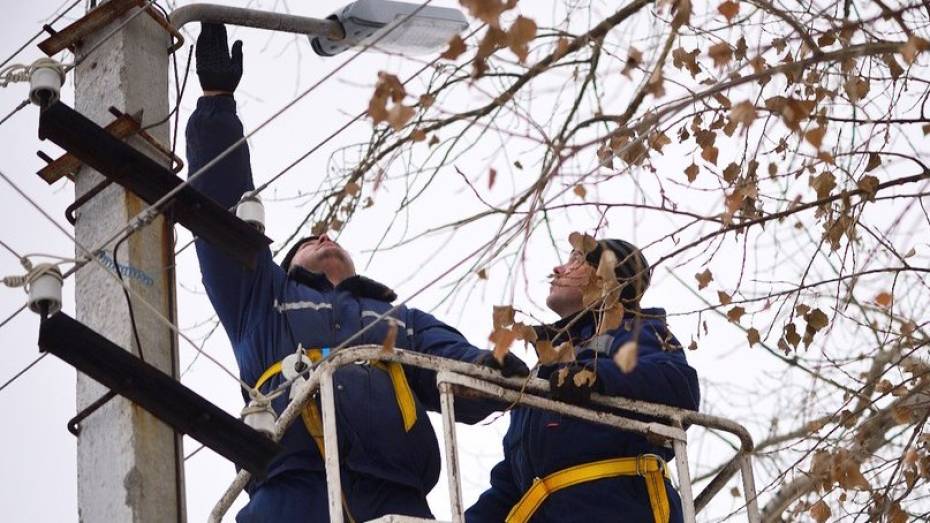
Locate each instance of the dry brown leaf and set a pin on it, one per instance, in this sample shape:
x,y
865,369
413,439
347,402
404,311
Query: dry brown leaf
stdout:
x,y
736,313
815,136
896,514
633,60
682,10
691,172
659,140
488,11
580,191
482,274
584,378
610,319
688,59
752,336
724,298
816,319
398,116
721,53
519,36
704,278
502,316
433,140
456,48
883,300
868,184
418,136
656,85
856,88
823,184
874,161
820,512
626,356
582,242
710,154
502,339
914,46
352,189
731,172
743,113
390,338
524,332
549,355
729,9
492,177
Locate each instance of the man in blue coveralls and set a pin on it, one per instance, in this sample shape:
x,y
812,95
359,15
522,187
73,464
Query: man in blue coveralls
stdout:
x,y
314,300
562,469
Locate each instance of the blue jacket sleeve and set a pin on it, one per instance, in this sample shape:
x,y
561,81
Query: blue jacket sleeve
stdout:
x,y
660,376
496,502
239,295
431,336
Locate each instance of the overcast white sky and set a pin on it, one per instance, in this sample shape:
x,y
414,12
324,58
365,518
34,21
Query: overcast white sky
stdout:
x,y
37,453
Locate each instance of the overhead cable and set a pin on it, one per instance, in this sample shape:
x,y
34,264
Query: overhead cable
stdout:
x,y
37,35
90,257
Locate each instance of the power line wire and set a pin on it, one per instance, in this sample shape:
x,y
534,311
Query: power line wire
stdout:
x,y
37,35
25,370
147,214
10,249
22,105
90,257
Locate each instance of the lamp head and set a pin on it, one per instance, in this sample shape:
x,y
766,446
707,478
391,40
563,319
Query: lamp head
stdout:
x,y
400,27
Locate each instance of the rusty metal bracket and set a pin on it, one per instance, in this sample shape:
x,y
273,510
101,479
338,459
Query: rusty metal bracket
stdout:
x,y
123,127
102,15
164,397
152,182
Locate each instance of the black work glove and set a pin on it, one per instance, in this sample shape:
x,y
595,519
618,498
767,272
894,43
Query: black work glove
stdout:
x,y
573,383
217,69
512,366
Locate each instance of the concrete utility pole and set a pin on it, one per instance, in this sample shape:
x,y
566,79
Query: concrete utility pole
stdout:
x,y
129,464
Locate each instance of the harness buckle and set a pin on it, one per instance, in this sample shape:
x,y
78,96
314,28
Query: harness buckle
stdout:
x,y
642,464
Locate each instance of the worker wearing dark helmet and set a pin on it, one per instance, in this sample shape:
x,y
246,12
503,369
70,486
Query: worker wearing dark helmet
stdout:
x,y
562,469
315,300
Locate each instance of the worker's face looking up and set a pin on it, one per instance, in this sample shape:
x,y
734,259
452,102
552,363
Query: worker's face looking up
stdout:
x,y
568,280
323,255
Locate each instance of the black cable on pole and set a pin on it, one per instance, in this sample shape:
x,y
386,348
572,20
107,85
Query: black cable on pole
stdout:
x,y
132,316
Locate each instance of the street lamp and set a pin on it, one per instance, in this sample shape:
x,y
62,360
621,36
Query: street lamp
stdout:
x,y
402,27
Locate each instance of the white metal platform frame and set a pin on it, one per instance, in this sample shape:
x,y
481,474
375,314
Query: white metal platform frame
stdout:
x,y
455,377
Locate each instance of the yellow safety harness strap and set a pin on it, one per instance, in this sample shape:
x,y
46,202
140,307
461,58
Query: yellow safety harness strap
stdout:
x,y
310,415
402,392
269,373
651,467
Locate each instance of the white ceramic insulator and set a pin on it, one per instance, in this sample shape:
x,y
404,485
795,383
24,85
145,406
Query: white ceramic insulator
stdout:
x,y
295,386
252,211
289,367
260,416
45,82
45,287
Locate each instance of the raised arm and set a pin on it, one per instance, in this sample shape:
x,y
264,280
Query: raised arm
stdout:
x,y
239,295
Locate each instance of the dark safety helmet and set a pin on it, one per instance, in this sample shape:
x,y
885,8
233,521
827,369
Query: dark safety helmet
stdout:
x,y
633,270
289,257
